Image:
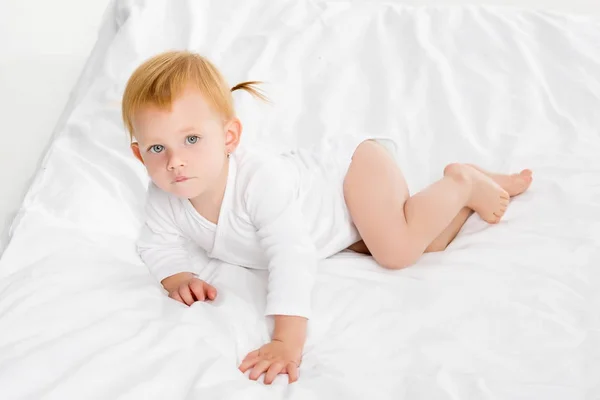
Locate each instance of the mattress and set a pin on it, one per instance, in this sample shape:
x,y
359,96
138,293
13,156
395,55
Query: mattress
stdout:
x,y
506,312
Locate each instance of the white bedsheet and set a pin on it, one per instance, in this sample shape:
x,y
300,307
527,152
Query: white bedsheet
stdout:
x,y
507,312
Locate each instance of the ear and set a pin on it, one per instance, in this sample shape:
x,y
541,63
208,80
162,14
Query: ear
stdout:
x,y
233,132
135,148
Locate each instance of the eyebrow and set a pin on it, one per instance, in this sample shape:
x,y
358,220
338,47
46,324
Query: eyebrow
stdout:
x,y
187,129
182,130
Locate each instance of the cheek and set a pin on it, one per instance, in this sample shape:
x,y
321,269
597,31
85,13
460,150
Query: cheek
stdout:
x,y
153,163
213,159
205,154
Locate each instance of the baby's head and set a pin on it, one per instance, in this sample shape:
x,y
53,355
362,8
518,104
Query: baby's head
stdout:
x,y
179,112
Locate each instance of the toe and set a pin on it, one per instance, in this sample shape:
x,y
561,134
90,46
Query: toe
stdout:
x,y
490,219
526,172
497,216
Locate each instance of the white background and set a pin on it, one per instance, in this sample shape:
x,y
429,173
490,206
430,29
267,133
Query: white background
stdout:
x,y
43,46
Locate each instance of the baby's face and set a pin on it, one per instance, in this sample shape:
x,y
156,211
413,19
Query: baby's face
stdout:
x,y
184,149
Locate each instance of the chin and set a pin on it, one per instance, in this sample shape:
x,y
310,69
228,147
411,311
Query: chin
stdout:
x,y
185,191
182,190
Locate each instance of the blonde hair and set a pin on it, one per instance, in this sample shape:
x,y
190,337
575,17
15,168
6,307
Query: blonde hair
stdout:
x,y
159,80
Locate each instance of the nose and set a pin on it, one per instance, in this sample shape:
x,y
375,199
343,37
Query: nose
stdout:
x,y
175,160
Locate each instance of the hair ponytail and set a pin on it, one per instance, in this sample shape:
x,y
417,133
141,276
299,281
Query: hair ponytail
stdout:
x,y
251,88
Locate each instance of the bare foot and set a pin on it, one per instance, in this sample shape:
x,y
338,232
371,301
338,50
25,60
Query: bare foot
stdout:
x,y
514,184
488,198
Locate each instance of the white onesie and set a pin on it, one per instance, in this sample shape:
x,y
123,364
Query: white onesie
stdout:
x,y
281,212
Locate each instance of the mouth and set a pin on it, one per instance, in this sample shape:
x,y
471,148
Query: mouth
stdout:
x,y
181,179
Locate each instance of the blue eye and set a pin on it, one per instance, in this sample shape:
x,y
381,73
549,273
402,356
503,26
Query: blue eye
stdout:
x,y
192,139
157,148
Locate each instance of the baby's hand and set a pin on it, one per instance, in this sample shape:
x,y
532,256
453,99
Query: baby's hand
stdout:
x,y
186,288
273,359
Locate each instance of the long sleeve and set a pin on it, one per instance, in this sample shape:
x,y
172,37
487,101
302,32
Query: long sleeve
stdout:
x,y
283,233
161,245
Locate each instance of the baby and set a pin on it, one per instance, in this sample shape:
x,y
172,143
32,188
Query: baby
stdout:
x,y
281,212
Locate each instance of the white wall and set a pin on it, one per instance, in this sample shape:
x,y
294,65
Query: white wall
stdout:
x,y
43,46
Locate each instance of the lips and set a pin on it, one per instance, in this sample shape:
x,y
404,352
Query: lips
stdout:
x,y
181,179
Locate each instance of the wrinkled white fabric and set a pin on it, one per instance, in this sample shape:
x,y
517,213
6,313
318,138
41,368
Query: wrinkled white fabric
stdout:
x,y
507,312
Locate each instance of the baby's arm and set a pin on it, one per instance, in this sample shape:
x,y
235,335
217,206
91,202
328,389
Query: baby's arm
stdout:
x,y
163,249
275,212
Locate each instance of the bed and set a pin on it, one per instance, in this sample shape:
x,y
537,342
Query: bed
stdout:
x,y
506,312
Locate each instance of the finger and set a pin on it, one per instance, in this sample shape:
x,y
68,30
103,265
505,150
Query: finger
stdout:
x,y
292,371
197,289
259,368
252,354
274,370
249,361
211,292
175,296
248,364
186,295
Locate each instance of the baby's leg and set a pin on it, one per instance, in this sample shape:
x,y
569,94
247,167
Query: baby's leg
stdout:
x,y
443,240
396,228
439,243
514,184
